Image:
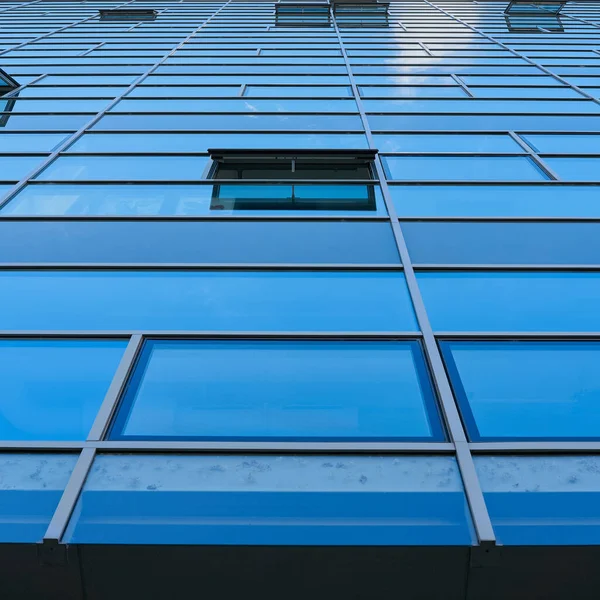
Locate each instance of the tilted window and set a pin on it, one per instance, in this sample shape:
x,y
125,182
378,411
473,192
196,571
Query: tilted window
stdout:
x,y
290,13
361,13
128,14
7,85
531,17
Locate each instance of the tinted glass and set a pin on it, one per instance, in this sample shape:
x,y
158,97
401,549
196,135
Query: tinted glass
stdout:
x,y
231,300
512,301
183,499
542,500
323,391
31,486
526,390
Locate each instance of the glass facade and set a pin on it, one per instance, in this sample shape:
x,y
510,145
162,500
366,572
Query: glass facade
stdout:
x,y
300,273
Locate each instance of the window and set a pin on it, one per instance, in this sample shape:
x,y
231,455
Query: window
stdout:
x,y
127,14
290,13
542,500
7,85
526,390
272,500
324,390
534,7
349,13
534,16
303,171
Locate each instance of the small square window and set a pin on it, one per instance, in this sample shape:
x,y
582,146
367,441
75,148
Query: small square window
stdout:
x,y
293,180
127,14
290,13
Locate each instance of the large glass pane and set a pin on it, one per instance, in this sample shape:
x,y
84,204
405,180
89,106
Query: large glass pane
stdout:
x,y
565,143
542,500
30,142
526,390
463,168
512,301
475,143
13,168
322,391
52,389
197,242
205,301
165,200
31,486
575,169
125,168
272,500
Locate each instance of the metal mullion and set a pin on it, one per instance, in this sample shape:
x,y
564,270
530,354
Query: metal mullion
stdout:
x,y
85,52
231,217
519,335
248,267
75,136
506,267
534,156
69,498
119,381
449,410
463,85
516,53
39,446
246,447
545,447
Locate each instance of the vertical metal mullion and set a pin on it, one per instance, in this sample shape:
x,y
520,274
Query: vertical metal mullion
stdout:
x,y
70,140
473,493
69,498
111,399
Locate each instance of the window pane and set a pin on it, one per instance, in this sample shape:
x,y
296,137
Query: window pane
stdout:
x,y
299,91
495,201
315,500
503,243
200,242
475,143
323,391
52,389
575,169
542,500
125,168
512,301
231,300
31,486
465,168
429,91
30,142
13,168
526,390
562,144
165,200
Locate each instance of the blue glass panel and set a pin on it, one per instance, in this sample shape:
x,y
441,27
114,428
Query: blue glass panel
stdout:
x,y
496,201
216,242
446,143
125,168
542,500
502,243
273,70
172,91
13,168
201,142
575,169
249,78
236,301
323,391
272,500
30,142
59,105
299,91
526,390
52,389
511,301
462,168
524,92
563,144
40,123
30,488
412,91
38,91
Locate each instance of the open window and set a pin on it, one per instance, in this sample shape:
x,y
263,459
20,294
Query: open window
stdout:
x,y
527,16
361,13
293,180
312,13
127,14
7,85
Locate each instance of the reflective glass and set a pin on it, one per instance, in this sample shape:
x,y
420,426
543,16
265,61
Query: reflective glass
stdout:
x,y
495,201
125,168
13,168
30,142
476,143
526,390
201,142
446,91
299,91
308,500
575,169
165,200
542,500
463,168
52,389
562,144
183,91
323,391
31,486
512,301
230,300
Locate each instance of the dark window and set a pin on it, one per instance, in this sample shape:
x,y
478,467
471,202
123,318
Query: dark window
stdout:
x,y
128,14
527,17
312,180
7,85
302,14
349,13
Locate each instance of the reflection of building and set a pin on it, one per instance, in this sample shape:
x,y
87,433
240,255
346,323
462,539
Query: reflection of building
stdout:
x,y
300,301
7,85
524,15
